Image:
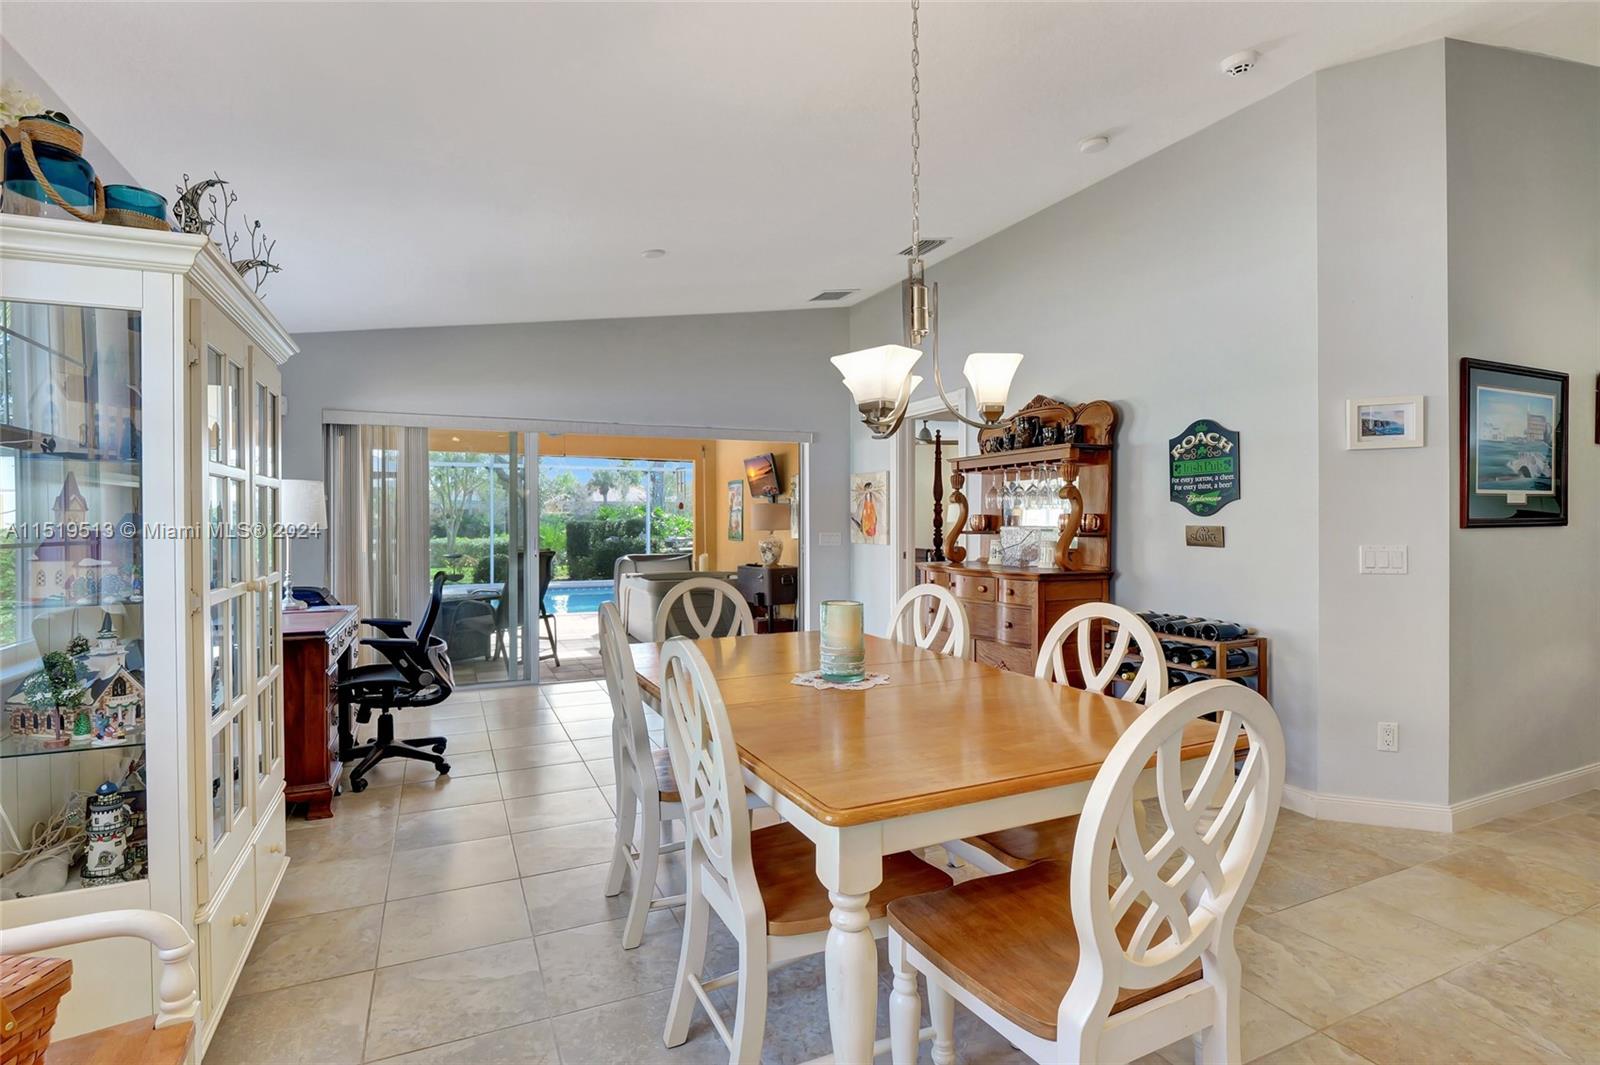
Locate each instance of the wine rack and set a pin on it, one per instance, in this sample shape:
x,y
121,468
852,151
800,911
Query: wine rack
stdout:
x,y
1253,673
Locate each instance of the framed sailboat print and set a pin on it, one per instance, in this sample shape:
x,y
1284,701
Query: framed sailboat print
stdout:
x,y
1513,445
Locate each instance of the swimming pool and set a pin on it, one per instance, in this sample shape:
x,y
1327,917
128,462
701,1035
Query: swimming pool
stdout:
x,y
577,597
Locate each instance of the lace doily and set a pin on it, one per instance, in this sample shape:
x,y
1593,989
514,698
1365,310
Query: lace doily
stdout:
x,y
815,679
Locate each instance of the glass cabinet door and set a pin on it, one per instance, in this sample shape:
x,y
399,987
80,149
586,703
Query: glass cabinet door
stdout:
x,y
72,662
230,605
266,563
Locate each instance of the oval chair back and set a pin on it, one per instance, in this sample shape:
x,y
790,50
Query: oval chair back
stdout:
x,y
1084,625
925,614
711,607
1218,829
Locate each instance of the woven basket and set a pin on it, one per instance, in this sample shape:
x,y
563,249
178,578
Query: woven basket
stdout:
x,y
30,989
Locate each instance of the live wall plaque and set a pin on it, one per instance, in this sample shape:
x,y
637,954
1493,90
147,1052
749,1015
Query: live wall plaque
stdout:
x,y
1204,467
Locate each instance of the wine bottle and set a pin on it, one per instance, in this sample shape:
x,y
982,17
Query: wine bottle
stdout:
x,y
1194,626
1175,679
1223,630
1173,625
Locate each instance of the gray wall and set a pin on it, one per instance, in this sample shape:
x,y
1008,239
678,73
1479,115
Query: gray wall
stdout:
x,y
1524,193
1183,287
759,372
1382,330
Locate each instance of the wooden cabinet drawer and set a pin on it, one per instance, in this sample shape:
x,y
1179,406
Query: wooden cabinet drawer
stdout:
x,y
226,936
983,620
935,576
974,586
1015,625
271,854
1004,656
1018,593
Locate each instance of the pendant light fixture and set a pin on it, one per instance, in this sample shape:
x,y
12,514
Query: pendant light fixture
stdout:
x,y
880,378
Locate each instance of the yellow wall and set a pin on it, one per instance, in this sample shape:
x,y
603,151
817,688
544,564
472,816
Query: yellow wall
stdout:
x,y
716,462
728,464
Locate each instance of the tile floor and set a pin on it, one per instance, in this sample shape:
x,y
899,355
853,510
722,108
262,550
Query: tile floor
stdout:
x,y
461,920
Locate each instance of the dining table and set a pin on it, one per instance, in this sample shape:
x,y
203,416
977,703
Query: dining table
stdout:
x,y
947,748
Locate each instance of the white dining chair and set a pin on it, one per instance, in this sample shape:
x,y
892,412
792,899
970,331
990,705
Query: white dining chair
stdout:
x,y
1082,626
761,884
717,610
1068,969
927,612
646,793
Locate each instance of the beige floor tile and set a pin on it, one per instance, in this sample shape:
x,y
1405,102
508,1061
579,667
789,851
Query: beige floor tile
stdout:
x,y
321,887
575,713
1428,1025
586,966
453,824
338,837
549,850
330,1023
427,870
603,772
441,792
526,736
572,898
1584,827
576,695
298,951
1538,883
1482,916
630,1031
440,1000
1312,1050
508,759
387,774
509,716
1525,819
541,780
524,1044
595,749
1406,846
1263,1028
467,744
450,921
376,805
530,813
1545,844
1569,949
453,728
461,765
1334,863
1556,1009
1410,948
590,729
1312,981
1278,887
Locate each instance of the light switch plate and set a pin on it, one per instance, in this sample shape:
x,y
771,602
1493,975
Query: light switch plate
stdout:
x,y
828,539
1383,559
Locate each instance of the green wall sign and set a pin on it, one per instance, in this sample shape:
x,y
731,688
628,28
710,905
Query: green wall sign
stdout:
x,y
1204,474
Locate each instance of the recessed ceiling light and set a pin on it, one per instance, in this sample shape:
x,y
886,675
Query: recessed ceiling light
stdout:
x,y
653,253
1240,63
1090,145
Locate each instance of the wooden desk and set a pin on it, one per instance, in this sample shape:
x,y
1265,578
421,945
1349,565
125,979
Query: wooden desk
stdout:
x,y
316,644
949,748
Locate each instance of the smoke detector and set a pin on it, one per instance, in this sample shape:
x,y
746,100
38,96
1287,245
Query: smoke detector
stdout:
x,y
1090,145
1240,63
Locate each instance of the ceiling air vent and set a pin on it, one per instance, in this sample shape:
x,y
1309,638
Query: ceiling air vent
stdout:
x,y
828,295
926,245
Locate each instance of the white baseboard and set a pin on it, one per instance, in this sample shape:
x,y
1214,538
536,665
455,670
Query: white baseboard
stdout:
x,y
1438,817
1521,797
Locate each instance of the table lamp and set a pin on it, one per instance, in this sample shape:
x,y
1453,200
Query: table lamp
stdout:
x,y
304,505
769,517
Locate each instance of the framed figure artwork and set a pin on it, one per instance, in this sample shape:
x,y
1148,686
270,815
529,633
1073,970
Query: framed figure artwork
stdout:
x,y
1513,445
736,510
869,508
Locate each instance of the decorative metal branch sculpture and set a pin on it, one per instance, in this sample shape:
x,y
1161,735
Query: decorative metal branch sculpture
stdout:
x,y
215,215
186,208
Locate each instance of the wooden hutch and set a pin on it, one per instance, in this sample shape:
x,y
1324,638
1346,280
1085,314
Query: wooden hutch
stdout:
x,y
1011,607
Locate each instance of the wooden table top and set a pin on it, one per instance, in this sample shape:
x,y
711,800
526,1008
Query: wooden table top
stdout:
x,y
316,621
943,732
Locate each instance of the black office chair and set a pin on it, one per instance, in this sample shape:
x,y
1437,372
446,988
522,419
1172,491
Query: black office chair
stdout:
x,y
417,674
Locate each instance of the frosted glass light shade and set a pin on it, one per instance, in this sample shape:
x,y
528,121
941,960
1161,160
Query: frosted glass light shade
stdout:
x,y
990,373
875,376
304,503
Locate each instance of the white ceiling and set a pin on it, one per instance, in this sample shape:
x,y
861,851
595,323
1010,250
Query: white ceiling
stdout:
x,y
447,163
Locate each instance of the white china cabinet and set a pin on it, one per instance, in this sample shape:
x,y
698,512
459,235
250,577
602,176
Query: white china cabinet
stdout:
x,y
140,583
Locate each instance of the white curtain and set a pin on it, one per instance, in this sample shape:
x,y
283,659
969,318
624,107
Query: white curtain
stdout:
x,y
377,477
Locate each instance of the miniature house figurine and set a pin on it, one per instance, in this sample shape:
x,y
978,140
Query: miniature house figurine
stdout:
x,y
57,559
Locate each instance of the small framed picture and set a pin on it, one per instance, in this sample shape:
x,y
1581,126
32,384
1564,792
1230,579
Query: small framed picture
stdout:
x,y
1513,445
1387,421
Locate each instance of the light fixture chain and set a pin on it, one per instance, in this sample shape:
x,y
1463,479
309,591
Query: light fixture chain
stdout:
x,y
916,146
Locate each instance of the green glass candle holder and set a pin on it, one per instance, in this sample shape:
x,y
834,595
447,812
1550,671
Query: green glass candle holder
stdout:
x,y
844,642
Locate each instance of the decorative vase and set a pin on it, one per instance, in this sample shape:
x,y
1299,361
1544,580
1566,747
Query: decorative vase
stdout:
x,y
1027,430
844,644
771,551
107,835
129,205
46,174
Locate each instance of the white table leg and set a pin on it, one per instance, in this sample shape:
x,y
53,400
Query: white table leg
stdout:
x,y
850,865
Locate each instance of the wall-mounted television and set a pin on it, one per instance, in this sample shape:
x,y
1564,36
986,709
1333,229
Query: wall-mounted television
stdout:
x,y
761,473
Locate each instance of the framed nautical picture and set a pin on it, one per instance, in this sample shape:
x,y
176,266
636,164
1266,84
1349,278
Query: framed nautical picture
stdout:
x,y
1387,421
1513,445
736,509
869,508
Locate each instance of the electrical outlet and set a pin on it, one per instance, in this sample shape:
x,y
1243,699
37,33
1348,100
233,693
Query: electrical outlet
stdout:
x,y
1388,736
1384,559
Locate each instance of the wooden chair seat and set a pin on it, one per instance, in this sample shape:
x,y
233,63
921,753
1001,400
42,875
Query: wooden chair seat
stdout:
x,y
1009,940
1018,848
666,783
796,902
135,1042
